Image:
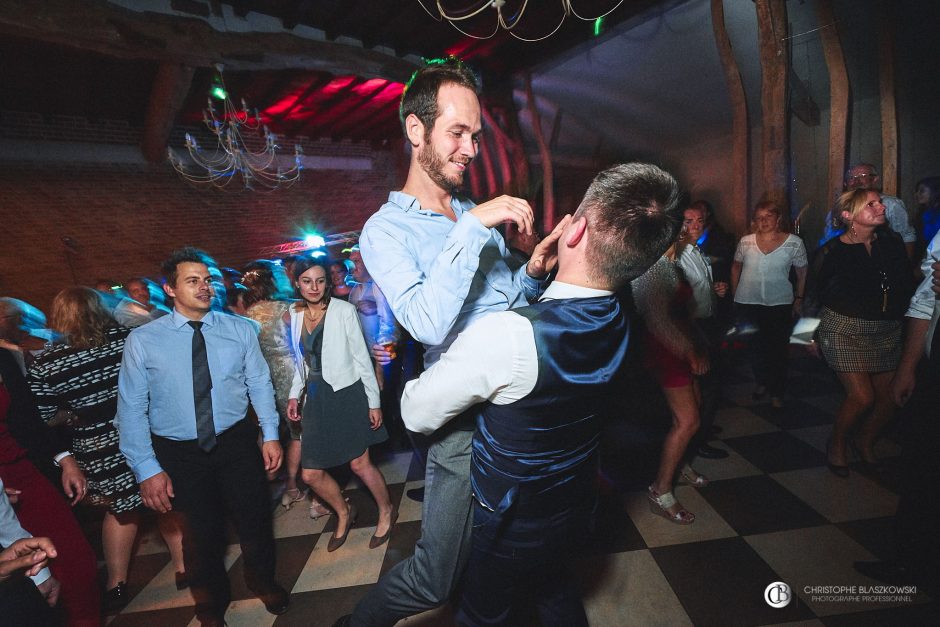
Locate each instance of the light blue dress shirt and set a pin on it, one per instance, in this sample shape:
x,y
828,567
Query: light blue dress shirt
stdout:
x,y
439,275
155,387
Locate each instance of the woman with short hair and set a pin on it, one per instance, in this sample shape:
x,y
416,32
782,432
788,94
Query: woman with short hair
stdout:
x,y
760,281
863,284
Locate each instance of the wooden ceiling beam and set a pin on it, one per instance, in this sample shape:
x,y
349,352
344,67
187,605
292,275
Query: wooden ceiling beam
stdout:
x,y
122,33
170,87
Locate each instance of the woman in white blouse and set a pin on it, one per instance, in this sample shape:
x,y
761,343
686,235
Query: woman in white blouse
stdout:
x,y
760,279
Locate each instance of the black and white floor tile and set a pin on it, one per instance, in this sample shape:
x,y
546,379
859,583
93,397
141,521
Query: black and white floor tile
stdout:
x,y
773,512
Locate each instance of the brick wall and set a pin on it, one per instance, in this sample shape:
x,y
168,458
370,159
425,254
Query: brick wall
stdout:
x,y
125,218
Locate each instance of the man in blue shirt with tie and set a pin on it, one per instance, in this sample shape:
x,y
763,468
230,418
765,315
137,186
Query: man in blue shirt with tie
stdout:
x,y
184,387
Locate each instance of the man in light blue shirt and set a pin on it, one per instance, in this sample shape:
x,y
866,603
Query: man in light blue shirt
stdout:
x,y
442,264
203,465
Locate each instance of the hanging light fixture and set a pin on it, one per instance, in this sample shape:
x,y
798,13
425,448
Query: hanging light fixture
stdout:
x,y
245,150
508,23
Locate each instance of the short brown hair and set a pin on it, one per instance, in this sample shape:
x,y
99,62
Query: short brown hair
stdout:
x,y
633,215
420,95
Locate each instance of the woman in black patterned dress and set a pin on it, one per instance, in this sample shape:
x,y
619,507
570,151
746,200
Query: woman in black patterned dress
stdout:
x,y
78,381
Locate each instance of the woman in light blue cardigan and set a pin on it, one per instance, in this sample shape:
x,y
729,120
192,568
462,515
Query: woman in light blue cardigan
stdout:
x,y
336,397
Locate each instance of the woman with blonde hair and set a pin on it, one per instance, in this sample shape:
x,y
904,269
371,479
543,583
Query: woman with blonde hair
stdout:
x,y
862,282
76,383
760,281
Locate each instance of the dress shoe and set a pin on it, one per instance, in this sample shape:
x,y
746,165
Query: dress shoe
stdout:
x,y
377,541
116,598
711,452
840,471
416,494
338,541
182,581
276,599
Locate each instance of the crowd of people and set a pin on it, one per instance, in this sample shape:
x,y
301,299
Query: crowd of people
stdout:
x,y
141,398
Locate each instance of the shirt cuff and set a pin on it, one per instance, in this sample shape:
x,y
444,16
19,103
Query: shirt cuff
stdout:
x,y
269,432
146,469
471,232
58,458
42,576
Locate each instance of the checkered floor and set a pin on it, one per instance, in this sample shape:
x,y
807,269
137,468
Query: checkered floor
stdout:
x,y
773,512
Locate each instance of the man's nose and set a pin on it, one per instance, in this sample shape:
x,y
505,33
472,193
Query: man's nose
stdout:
x,y
468,146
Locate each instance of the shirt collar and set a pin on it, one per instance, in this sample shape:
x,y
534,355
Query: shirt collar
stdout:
x,y
557,290
409,203
179,319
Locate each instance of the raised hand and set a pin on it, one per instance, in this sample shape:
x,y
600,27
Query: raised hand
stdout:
x,y
545,255
505,209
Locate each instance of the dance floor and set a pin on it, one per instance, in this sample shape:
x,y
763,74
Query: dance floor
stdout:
x,y
773,513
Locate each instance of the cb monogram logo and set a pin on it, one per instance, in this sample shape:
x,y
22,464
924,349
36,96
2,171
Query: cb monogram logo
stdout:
x,y
778,595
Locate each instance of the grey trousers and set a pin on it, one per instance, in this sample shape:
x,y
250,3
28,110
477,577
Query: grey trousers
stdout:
x,y
427,579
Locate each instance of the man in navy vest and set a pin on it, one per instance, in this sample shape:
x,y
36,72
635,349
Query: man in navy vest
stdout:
x,y
542,373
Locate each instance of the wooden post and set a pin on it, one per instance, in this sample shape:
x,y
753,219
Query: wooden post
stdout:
x,y
486,156
170,87
889,120
775,141
838,98
740,163
548,192
500,141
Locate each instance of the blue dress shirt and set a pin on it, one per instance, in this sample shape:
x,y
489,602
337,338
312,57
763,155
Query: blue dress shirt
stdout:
x,y
155,387
439,275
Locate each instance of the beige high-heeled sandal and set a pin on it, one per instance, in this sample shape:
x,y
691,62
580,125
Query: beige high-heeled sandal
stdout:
x,y
660,504
689,476
291,496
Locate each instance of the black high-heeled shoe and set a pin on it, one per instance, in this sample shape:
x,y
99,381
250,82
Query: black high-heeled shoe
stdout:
x,y
873,466
338,541
840,471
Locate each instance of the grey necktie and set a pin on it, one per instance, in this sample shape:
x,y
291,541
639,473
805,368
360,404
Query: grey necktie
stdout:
x,y
202,390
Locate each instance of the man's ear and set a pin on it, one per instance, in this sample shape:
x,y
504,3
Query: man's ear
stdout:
x,y
414,129
169,290
576,231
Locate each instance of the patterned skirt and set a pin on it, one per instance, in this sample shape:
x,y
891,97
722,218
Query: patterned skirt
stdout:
x,y
858,345
111,483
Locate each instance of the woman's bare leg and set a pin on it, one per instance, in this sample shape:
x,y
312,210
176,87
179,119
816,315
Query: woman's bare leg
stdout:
x,y
859,396
684,408
375,482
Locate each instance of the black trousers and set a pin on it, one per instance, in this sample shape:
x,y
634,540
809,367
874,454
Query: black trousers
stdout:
x,y
709,383
21,604
770,346
229,479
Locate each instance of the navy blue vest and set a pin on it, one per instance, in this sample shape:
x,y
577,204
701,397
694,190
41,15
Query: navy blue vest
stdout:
x,y
538,454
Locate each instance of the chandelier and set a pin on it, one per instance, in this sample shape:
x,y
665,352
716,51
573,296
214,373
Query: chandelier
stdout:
x,y
245,149
506,22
